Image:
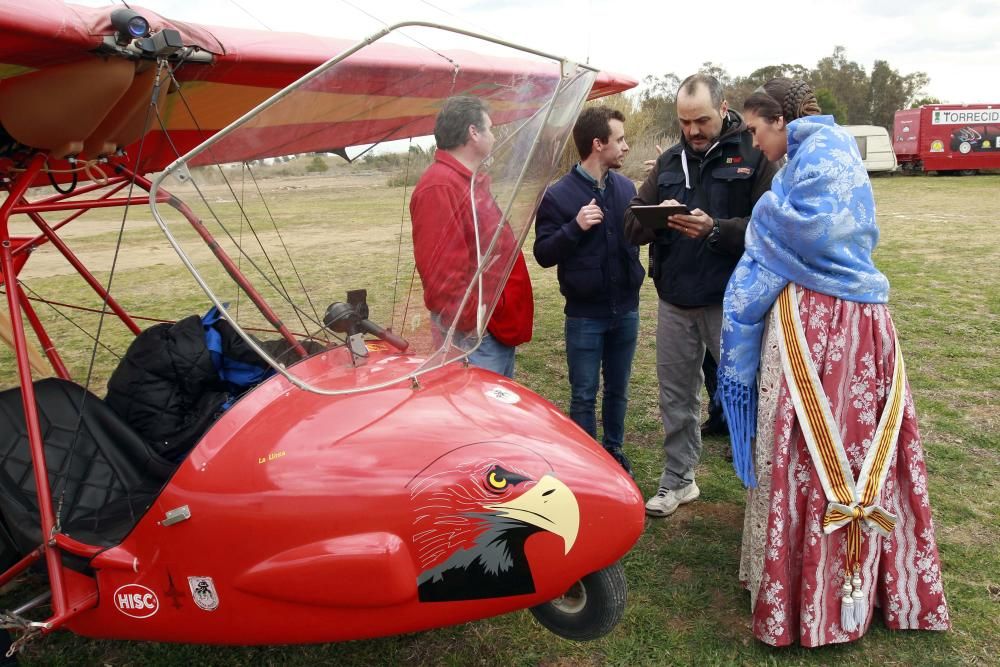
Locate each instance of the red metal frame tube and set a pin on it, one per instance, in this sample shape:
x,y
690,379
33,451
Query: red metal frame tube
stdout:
x,y
227,262
85,273
40,469
21,565
43,337
83,189
38,240
74,547
84,205
56,621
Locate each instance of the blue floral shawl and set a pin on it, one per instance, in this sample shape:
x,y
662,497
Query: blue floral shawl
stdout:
x,y
816,228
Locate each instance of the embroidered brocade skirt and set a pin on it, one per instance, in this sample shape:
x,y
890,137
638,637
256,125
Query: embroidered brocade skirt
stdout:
x,y
792,570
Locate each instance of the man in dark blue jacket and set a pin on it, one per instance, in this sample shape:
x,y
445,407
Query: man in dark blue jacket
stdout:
x,y
580,228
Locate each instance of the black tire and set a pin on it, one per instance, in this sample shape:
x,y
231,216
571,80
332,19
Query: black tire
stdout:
x,y
968,172
590,609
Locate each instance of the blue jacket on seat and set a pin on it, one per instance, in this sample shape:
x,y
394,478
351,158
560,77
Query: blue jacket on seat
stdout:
x,y
599,270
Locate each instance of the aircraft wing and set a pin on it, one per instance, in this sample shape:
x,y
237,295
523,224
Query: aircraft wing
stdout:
x,y
68,87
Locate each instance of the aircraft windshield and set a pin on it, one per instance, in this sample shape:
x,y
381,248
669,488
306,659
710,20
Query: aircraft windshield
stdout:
x,y
288,234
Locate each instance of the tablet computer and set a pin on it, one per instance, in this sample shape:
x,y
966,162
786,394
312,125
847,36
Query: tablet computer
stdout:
x,y
655,217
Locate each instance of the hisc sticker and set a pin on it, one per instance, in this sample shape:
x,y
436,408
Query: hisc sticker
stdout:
x,y
136,601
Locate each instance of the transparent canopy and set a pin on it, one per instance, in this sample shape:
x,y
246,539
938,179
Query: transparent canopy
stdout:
x,y
278,247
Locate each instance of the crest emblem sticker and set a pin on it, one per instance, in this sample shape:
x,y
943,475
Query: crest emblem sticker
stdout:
x,y
203,593
503,395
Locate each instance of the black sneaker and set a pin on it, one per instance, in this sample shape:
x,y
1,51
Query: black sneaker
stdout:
x,y
713,428
618,455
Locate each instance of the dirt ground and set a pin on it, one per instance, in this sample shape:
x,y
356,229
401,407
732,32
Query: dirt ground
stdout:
x,y
93,237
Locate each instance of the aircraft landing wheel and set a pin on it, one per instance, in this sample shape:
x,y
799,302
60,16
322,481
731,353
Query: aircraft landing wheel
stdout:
x,y
590,609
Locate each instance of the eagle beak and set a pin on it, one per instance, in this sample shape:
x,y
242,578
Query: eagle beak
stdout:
x,y
549,505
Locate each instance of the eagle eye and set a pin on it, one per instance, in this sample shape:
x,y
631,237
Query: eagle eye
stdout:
x,y
498,479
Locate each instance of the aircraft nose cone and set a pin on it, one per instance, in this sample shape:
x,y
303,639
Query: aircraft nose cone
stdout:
x,y
611,506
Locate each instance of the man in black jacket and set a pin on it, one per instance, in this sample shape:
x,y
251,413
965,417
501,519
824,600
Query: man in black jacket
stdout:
x,y
579,227
717,173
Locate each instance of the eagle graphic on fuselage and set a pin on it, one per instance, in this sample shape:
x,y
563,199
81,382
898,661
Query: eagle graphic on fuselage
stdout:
x,y
474,509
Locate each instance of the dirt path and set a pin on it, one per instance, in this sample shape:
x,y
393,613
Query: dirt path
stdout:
x,y
301,198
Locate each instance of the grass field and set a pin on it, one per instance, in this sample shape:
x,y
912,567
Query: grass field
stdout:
x,y
940,250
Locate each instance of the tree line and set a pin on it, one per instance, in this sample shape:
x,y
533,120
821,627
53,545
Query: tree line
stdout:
x,y
844,89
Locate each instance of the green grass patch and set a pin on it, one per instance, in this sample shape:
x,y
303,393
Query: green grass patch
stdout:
x,y
940,247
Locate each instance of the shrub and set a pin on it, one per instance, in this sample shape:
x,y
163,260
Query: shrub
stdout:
x,y
318,165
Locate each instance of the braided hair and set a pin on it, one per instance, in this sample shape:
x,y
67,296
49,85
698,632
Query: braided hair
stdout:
x,y
785,98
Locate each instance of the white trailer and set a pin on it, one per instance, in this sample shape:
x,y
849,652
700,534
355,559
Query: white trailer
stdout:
x,y
875,146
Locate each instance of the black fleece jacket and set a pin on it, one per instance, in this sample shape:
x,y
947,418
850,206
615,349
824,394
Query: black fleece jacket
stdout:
x,y
725,182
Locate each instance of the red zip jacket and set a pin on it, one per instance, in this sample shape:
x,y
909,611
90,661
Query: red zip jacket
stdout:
x,y
444,245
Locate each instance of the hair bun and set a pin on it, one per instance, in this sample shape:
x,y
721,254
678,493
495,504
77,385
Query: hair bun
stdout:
x,y
799,101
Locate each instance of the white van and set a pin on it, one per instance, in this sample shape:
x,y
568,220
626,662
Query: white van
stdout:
x,y
875,146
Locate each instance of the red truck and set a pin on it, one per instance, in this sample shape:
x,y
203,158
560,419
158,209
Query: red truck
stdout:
x,y
948,137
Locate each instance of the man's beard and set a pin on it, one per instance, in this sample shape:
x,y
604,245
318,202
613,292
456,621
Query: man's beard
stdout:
x,y
708,143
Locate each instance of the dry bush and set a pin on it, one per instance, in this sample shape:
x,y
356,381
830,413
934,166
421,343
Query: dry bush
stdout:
x,y
644,130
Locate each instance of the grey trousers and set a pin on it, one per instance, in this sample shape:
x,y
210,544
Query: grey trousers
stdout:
x,y
681,337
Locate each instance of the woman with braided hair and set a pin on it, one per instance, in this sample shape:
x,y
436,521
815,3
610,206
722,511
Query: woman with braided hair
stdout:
x,y
813,385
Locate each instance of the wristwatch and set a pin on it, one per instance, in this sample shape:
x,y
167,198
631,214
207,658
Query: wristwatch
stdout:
x,y
715,234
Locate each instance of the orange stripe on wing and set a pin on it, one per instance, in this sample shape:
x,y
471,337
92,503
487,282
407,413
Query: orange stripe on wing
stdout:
x,y
216,104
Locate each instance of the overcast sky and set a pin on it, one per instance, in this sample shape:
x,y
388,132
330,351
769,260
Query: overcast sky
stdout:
x,y
956,42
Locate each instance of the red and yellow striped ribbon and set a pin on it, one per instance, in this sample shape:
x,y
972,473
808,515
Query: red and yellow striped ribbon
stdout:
x,y
851,503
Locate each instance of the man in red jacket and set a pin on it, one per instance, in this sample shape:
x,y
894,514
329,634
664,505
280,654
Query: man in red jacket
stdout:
x,y
454,220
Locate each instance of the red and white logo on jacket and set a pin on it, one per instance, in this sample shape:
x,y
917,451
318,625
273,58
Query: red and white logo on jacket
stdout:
x,y
136,601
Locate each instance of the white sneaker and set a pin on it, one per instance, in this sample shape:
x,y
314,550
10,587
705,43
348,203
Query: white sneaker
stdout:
x,y
666,501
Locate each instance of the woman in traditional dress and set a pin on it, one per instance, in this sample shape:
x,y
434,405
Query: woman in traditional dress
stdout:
x,y
812,380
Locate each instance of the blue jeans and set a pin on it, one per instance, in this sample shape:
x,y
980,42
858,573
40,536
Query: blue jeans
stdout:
x,y
491,353
494,356
593,345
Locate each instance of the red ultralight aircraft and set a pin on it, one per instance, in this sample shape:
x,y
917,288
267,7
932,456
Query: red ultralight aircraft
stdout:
x,y
366,481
